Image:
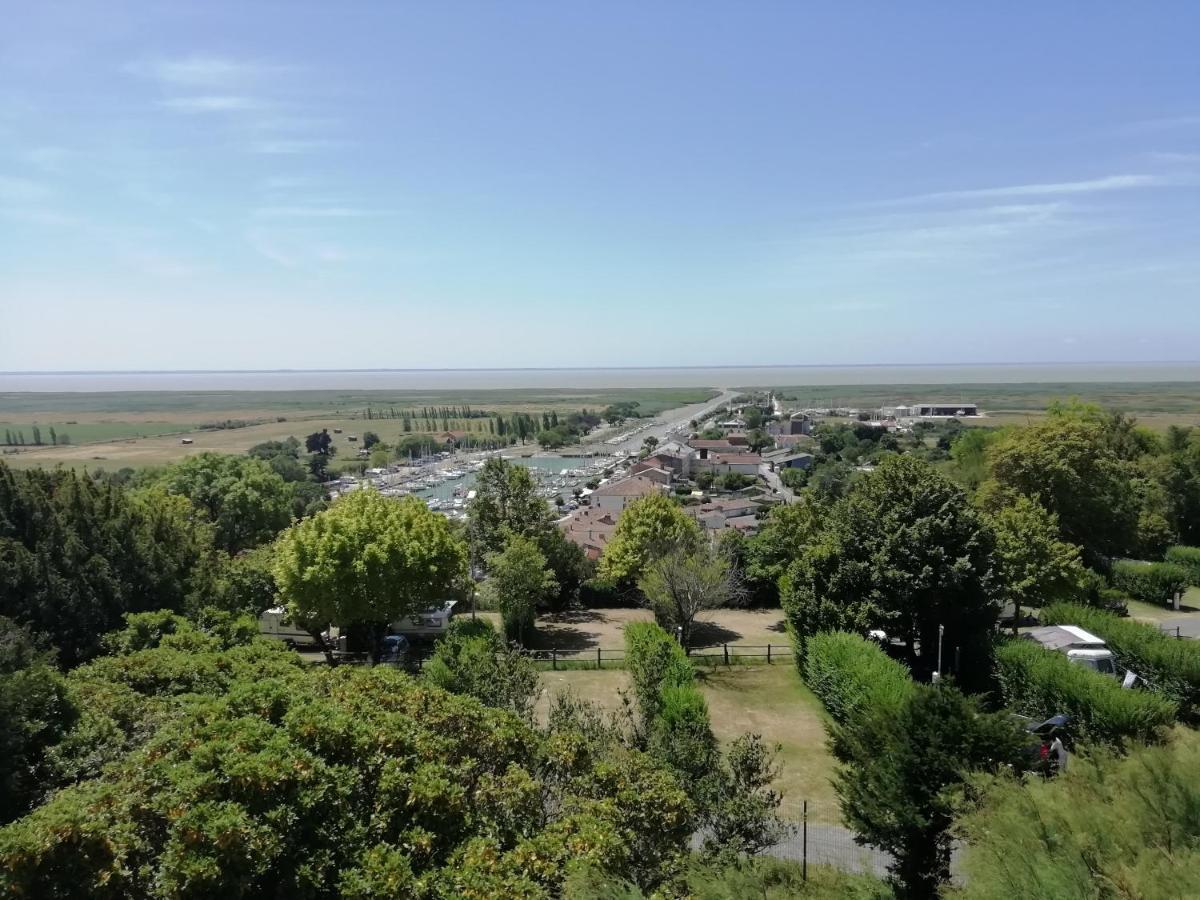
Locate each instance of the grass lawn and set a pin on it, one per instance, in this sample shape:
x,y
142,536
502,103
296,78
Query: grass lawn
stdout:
x,y
582,631
767,700
1151,612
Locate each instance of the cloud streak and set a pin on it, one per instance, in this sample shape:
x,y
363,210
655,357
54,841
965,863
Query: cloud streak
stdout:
x,y
211,104
1047,189
202,71
319,212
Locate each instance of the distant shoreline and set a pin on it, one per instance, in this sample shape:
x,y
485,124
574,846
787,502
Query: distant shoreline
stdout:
x,y
593,378
883,365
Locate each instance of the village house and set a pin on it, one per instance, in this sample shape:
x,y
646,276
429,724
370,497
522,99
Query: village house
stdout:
x,y
796,423
616,495
591,529
726,463
729,512
788,459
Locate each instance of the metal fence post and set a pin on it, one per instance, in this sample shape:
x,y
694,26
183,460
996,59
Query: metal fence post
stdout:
x,y
768,654
554,658
726,648
598,658
804,845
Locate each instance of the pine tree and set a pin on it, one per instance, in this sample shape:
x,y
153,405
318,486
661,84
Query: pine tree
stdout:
x,y
53,437
37,436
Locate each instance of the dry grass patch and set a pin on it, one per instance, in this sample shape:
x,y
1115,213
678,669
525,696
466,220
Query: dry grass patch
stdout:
x,y
766,700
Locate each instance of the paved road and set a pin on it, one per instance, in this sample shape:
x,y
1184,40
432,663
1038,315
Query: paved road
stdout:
x,y
773,481
670,424
1189,626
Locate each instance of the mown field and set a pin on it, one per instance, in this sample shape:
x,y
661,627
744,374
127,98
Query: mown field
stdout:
x,y
767,700
137,429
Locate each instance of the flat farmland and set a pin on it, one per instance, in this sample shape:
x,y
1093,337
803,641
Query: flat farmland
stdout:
x,y
1156,404
138,429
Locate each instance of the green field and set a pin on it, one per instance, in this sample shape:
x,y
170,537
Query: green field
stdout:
x,y
82,431
208,405
139,429
1151,399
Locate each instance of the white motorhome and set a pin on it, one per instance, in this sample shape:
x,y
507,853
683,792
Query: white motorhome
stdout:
x,y
429,623
274,624
1079,646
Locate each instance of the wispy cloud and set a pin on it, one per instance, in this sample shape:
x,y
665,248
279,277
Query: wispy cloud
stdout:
x,y
290,146
212,104
319,212
1173,157
202,71
47,159
1047,189
40,215
1166,123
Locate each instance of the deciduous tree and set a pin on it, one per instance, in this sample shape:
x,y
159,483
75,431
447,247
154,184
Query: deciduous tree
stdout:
x,y
368,560
904,552
247,502
518,581
682,584
649,528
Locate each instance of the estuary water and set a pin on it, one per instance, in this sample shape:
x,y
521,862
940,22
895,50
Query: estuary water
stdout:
x,y
714,377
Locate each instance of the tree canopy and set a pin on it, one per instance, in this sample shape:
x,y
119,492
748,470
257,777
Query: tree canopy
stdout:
x,y
905,552
650,527
368,559
274,780
247,501
77,552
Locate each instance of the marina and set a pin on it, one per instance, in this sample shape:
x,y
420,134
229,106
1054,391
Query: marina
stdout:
x,y
447,485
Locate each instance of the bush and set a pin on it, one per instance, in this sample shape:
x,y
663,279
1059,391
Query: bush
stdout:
x,y
848,673
674,726
1039,682
471,659
681,733
655,661
1108,827
1150,582
1171,667
1188,558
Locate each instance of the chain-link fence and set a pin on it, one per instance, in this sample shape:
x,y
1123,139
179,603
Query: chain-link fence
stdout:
x,y
828,845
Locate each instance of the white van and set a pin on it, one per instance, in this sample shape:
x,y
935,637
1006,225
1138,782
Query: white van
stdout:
x,y
274,624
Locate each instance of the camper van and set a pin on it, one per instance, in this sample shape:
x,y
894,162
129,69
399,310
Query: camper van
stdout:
x,y
273,624
1079,646
429,623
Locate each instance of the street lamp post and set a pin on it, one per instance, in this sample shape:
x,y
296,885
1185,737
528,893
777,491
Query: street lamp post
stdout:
x,y
937,676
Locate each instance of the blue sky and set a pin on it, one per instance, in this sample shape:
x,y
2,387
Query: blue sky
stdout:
x,y
262,185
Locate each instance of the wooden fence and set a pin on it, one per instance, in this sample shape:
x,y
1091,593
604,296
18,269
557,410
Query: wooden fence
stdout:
x,y
710,655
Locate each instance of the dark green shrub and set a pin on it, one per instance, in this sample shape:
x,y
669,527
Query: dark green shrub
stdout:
x,y
1041,683
1150,582
1188,558
1171,667
848,673
681,734
655,661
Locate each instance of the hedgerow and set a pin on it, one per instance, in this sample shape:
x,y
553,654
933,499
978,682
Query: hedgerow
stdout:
x,y
1150,582
1188,558
1171,667
848,673
1043,683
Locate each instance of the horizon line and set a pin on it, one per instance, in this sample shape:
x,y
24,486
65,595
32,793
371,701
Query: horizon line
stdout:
x,y
883,365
